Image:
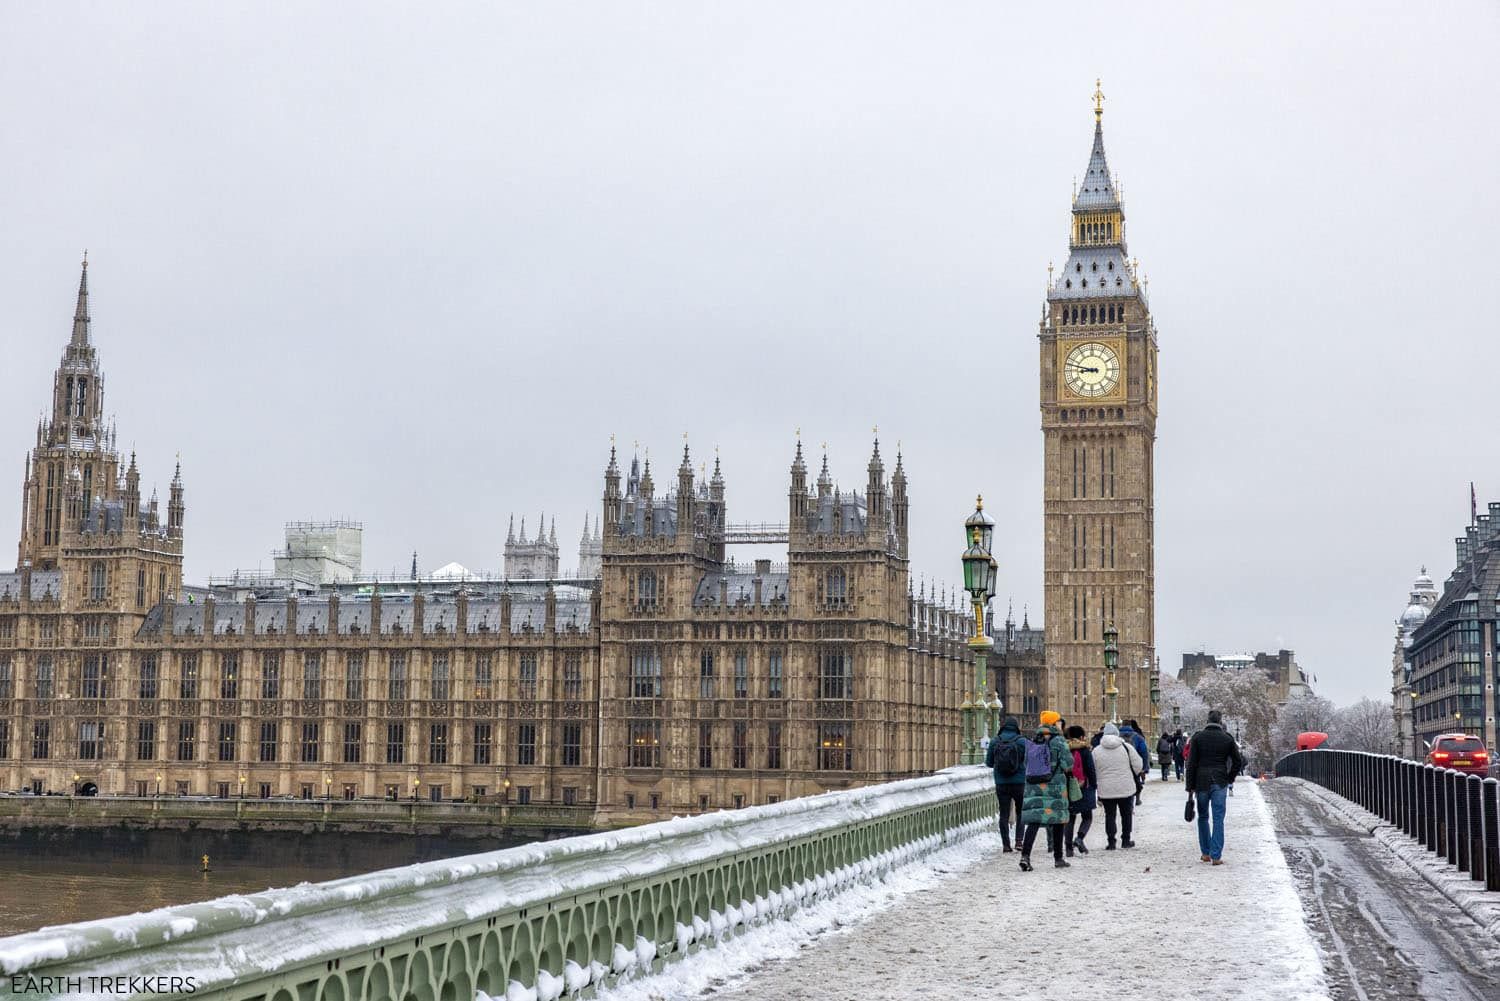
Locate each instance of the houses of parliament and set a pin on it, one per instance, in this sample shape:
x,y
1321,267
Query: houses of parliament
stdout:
x,y
663,678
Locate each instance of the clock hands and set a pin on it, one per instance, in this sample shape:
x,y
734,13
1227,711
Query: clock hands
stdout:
x,y
1082,368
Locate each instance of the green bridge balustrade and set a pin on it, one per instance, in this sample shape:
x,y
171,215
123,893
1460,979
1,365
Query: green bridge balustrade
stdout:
x,y
560,917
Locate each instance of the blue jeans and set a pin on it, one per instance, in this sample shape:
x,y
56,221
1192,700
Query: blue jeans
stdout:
x,y
1211,844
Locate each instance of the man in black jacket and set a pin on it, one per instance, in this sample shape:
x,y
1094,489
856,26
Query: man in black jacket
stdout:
x,y
1214,762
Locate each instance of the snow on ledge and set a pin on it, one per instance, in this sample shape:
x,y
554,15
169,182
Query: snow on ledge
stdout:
x,y
241,937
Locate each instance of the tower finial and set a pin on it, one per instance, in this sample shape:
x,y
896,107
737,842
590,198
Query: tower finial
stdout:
x,y
81,313
1098,102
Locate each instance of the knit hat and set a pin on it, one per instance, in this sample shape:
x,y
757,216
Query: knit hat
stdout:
x,y
1110,730
1050,718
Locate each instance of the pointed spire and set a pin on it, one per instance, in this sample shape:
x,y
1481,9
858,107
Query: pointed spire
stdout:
x,y
797,464
554,530
1098,188
81,314
177,474
614,467
523,528
510,534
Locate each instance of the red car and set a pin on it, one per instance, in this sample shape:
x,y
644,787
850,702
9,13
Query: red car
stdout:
x,y
1460,751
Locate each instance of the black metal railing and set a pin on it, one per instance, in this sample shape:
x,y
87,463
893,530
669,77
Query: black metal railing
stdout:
x,y
1454,815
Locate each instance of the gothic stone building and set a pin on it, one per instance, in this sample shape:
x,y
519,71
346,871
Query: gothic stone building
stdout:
x,y
675,681
1098,401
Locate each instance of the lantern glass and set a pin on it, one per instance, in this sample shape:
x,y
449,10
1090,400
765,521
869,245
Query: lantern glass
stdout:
x,y
989,591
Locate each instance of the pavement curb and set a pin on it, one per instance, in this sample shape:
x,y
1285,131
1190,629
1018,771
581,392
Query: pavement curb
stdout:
x,y
1468,896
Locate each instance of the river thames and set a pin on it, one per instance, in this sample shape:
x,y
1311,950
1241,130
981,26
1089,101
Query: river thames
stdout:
x,y
57,878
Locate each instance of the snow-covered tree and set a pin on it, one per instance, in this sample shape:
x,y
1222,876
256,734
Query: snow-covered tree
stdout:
x,y
1299,715
1367,725
1192,713
1243,699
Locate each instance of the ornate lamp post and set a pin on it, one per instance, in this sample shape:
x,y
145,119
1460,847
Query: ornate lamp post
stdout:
x,y
242,785
979,581
1112,661
1155,696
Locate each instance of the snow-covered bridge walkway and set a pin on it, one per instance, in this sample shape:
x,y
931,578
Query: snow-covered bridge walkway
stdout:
x,y
1152,923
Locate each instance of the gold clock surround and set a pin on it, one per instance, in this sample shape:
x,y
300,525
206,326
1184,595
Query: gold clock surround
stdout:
x,y
1113,346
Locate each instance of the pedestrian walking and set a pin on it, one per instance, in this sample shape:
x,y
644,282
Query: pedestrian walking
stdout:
x,y
1081,807
1213,763
1179,752
1164,755
1130,732
1007,756
1049,765
1116,764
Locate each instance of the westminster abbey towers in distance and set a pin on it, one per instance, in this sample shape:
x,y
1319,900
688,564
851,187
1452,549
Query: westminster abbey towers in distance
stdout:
x,y
662,678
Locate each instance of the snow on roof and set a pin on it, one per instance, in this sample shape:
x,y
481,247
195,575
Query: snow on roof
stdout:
x,y
451,571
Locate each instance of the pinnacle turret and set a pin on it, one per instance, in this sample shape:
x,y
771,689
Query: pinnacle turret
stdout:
x,y
80,337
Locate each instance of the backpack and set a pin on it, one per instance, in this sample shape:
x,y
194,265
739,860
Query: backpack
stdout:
x,y
1010,757
1078,772
1038,761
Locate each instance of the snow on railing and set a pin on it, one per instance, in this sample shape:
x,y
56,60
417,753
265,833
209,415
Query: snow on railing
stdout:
x,y
550,918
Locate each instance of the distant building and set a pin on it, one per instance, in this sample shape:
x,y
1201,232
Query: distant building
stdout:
x,y
1452,650
321,552
531,559
1284,678
1418,606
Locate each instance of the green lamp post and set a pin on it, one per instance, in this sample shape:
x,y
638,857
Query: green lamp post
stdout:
x,y
979,581
1112,661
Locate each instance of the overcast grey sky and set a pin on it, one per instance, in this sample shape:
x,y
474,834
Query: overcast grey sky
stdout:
x,y
415,270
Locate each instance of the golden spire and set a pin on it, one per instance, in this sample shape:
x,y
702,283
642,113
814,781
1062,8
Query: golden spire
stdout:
x,y
1098,102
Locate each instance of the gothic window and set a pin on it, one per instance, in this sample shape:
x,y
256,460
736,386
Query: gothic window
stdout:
x,y
188,682
774,672
354,676
81,389
526,689
90,739
441,688
741,675
187,741
484,674
705,745
645,673
646,589
7,679
437,743
835,673
312,676
572,744
228,735
270,675
395,743
484,746
1111,263
837,587
773,745
1068,283
835,750
229,676
41,733
526,744
96,582
95,685
270,737
310,743
354,736
145,741
645,743
1078,268
706,674
739,756
396,683
140,589
573,675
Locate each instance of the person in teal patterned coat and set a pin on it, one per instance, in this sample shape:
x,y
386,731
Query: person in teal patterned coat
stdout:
x,y
1046,803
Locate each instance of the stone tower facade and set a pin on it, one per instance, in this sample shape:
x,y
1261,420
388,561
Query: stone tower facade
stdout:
x,y
531,559
1098,401
591,551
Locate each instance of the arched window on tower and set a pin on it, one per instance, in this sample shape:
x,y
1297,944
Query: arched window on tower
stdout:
x,y
837,587
646,589
97,582
80,393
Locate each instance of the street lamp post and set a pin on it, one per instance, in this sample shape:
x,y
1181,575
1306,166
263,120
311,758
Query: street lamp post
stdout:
x,y
414,784
158,785
1176,717
242,785
1111,661
979,581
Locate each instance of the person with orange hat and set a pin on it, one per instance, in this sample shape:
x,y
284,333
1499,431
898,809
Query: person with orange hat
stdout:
x,y
1049,763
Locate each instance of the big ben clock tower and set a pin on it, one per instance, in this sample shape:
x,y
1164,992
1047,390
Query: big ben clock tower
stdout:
x,y
1098,395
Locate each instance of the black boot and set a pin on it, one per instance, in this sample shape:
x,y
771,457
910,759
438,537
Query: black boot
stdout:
x,y
1062,863
1025,862
1082,848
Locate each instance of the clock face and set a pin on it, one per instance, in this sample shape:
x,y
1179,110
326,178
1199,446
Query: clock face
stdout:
x,y
1092,370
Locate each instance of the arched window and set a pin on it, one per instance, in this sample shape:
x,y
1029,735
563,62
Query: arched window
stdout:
x,y
646,589
838,587
97,581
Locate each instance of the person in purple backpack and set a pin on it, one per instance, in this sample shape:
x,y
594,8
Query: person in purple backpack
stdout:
x,y
1049,764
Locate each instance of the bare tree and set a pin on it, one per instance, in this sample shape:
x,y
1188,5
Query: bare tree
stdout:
x,y
1191,712
1366,725
1299,715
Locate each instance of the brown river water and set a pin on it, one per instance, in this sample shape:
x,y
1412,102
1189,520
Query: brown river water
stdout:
x,y
48,879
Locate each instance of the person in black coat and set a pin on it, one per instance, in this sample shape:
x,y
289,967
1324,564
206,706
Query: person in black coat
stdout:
x,y
1214,762
1081,810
